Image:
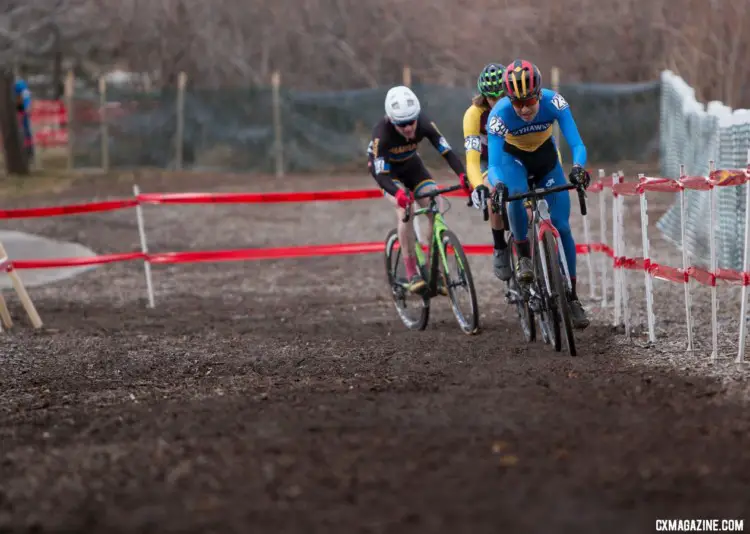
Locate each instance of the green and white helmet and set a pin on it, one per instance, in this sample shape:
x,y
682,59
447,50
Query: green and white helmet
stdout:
x,y
490,82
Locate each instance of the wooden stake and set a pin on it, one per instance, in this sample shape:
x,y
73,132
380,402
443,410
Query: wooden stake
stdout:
x,y
181,82
21,291
103,123
406,76
69,88
276,103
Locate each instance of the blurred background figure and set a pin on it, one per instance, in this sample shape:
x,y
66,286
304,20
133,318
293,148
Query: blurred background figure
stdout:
x,y
23,106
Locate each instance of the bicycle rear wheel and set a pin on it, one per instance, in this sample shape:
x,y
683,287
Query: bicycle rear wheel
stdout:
x,y
555,270
515,296
459,278
412,309
544,327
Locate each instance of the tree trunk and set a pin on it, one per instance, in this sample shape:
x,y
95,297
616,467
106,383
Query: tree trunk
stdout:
x,y
16,161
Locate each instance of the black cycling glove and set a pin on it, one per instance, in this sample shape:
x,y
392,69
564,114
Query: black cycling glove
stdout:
x,y
579,176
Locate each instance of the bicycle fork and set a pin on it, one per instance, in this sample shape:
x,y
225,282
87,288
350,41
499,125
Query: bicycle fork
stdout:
x,y
431,271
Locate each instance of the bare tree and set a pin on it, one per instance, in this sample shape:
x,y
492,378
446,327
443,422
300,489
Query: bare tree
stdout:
x,y
709,49
16,161
336,44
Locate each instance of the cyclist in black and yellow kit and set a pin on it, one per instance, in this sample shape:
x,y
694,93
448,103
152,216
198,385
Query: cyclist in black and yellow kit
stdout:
x,y
490,86
394,162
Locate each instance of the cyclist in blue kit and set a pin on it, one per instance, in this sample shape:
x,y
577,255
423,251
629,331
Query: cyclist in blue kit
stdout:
x,y
520,144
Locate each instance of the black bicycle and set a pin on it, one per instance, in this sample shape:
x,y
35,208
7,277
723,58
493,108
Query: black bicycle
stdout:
x,y
548,296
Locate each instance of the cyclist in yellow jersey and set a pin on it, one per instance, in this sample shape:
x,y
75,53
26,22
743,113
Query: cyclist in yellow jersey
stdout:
x,y
490,86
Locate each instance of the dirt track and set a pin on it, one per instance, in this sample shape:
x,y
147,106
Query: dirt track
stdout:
x,y
285,396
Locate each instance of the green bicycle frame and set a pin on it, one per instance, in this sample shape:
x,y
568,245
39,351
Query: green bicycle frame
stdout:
x,y
438,228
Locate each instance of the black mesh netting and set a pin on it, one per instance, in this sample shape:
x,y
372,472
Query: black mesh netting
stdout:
x,y
232,129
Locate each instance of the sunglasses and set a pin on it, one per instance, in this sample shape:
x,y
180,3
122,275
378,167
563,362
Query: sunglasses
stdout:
x,y
525,102
404,124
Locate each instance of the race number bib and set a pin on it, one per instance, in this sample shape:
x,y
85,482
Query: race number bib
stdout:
x,y
443,144
559,102
497,126
379,165
473,142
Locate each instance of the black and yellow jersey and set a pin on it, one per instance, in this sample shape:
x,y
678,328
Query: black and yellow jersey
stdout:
x,y
388,148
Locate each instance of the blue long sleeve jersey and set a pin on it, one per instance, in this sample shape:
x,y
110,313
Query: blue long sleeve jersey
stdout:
x,y
504,125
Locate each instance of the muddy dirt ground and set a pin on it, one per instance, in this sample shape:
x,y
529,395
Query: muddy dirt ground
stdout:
x,y
285,396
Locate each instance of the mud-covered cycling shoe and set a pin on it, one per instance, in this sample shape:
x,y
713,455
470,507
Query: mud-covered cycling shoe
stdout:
x,y
501,263
416,284
525,271
578,315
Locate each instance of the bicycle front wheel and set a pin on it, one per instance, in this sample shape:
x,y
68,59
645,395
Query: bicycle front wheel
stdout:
x,y
555,270
515,295
413,310
549,318
460,283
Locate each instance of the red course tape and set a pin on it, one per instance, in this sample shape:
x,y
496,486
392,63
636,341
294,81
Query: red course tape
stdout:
x,y
663,272
731,177
198,198
246,254
225,255
107,205
77,262
267,253
255,198
728,177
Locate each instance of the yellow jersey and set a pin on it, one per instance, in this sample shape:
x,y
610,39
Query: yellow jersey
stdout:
x,y
475,142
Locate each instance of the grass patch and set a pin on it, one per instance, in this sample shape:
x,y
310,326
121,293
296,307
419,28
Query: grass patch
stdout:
x,y
44,181
49,175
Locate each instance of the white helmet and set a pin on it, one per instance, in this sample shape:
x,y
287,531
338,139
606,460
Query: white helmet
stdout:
x,y
401,105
